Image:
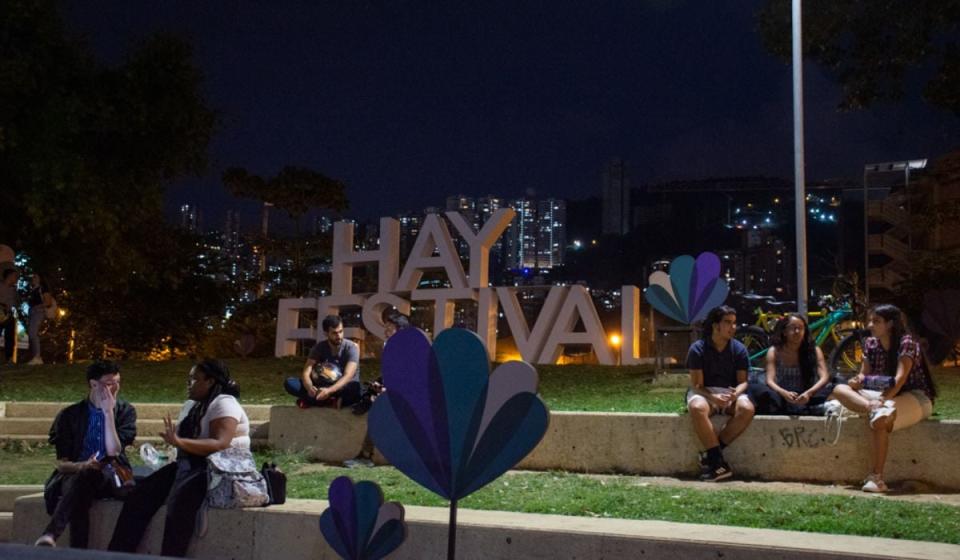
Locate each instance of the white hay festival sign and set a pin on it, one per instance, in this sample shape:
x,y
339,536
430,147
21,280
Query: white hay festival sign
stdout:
x,y
540,343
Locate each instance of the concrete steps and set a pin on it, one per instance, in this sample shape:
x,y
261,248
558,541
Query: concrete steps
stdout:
x,y
150,411
8,495
30,422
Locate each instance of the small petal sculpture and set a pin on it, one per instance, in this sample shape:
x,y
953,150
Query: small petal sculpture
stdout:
x,y
358,525
692,288
446,422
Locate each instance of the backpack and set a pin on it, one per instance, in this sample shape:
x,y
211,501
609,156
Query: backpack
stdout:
x,y
233,480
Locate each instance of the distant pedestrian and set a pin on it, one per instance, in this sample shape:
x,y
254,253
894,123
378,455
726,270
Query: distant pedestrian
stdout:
x,y
9,301
41,302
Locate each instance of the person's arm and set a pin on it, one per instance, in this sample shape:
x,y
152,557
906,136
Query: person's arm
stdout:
x,y
771,369
904,365
856,382
222,432
107,403
349,373
741,388
126,425
823,377
305,377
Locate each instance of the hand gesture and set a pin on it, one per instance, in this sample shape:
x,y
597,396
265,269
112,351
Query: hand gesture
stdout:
x,y
169,433
323,394
856,382
107,399
91,463
791,397
803,398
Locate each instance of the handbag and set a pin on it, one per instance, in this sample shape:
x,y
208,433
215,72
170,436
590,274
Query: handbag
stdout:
x,y
233,480
276,483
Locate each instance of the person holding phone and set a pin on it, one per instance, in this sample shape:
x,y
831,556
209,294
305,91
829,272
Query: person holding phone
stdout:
x,y
90,437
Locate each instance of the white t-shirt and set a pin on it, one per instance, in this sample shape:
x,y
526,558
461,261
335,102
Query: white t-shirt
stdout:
x,y
223,406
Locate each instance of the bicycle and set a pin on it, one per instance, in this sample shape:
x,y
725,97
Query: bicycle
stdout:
x,y
829,328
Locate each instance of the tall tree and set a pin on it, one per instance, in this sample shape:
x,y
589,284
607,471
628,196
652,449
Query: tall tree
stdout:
x,y
86,151
877,50
295,190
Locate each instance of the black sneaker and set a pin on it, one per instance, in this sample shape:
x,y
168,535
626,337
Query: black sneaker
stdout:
x,y
717,473
703,463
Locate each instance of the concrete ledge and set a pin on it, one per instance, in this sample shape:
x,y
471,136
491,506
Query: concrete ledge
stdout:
x,y
262,533
156,411
772,448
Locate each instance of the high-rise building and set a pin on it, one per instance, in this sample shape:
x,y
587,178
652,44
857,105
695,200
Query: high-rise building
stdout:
x,y
615,196
522,235
551,232
231,231
190,218
410,223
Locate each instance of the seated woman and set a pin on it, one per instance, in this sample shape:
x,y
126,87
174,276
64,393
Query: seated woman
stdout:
x,y
894,385
797,377
212,420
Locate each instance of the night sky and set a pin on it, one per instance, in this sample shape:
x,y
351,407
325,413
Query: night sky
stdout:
x,y
407,102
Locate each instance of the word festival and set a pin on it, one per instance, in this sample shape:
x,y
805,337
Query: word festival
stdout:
x,y
433,250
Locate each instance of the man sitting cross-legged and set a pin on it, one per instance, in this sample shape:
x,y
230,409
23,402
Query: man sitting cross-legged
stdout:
x,y
718,378
90,437
322,385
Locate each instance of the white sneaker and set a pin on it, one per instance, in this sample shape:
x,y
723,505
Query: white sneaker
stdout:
x,y
46,540
885,409
36,361
875,485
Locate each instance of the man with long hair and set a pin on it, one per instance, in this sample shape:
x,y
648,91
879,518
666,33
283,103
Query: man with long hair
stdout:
x,y
718,383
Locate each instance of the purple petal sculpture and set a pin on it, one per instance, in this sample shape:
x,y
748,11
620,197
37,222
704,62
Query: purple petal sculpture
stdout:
x,y
446,422
358,525
692,288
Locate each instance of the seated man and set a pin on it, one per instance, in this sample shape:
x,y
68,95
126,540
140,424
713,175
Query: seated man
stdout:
x,y
90,437
334,390
718,377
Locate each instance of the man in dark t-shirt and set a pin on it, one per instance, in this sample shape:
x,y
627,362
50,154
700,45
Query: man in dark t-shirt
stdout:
x,y
331,375
718,366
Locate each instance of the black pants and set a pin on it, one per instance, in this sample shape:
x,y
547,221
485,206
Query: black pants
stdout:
x,y
349,395
183,488
77,493
9,328
768,401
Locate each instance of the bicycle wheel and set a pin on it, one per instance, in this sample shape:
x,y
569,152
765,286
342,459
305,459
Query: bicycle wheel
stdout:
x,y
756,341
846,357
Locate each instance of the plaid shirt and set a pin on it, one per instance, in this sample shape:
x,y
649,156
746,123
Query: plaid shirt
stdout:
x,y
876,358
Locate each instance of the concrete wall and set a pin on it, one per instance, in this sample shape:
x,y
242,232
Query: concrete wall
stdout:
x,y
772,448
291,532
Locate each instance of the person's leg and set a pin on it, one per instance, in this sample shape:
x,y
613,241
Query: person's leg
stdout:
x,y
767,401
851,399
743,412
881,442
9,338
77,494
37,317
294,386
700,411
911,409
349,395
186,497
139,507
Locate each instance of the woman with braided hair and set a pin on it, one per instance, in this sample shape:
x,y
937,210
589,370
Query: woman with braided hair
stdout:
x,y
212,420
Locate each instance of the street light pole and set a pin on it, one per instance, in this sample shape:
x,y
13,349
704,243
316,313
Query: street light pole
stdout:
x,y
799,179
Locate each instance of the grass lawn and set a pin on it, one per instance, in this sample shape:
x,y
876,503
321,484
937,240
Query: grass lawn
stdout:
x,y
609,496
572,387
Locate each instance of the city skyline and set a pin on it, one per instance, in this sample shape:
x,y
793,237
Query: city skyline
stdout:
x,y
405,104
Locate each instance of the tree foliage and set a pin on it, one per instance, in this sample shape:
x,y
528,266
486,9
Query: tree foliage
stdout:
x,y
86,151
875,50
294,190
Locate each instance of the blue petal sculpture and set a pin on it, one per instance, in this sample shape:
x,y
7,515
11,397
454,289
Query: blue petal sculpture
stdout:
x,y
358,525
446,422
690,291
